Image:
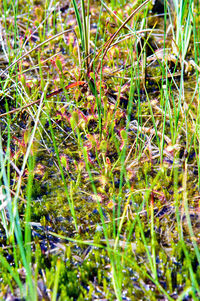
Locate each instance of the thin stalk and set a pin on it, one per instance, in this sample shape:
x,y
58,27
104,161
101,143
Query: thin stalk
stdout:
x,y
70,201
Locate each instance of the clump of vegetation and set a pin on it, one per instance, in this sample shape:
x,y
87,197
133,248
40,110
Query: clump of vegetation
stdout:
x,y
99,150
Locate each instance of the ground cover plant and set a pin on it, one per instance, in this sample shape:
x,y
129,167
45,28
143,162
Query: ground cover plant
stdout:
x,y
99,150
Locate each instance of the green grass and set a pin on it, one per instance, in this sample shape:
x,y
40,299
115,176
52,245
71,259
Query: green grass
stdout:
x,y
99,184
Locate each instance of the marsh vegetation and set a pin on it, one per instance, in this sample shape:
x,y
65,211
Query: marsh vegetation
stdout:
x,y
99,150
